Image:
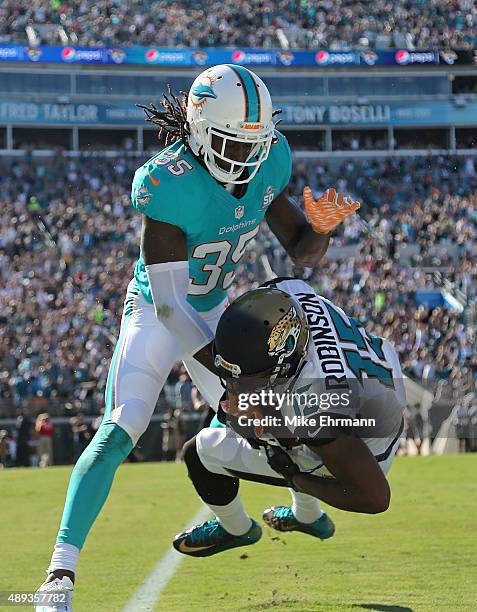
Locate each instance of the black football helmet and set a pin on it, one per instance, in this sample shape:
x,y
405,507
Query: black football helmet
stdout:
x,y
263,335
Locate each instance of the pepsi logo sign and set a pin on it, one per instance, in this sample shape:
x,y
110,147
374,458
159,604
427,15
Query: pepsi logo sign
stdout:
x,y
238,56
322,57
325,58
252,57
152,55
403,57
68,54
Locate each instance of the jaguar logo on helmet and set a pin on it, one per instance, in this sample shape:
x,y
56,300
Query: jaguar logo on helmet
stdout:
x,y
203,90
284,335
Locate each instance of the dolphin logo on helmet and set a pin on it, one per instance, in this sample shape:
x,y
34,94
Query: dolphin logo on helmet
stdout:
x,y
202,90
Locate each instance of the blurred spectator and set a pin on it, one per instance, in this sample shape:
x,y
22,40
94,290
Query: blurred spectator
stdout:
x,y
414,426
81,435
465,423
172,441
45,430
472,413
461,424
198,402
190,421
184,392
4,449
24,432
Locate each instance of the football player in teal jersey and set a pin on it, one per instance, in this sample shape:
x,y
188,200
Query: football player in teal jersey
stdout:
x,y
202,199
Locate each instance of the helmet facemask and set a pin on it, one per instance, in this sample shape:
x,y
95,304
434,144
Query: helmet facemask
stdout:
x,y
227,155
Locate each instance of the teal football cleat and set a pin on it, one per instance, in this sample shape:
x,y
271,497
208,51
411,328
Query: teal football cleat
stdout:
x,y
211,538
282,518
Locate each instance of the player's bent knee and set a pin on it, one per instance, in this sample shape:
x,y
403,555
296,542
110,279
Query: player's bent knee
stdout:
x,y
189,452
209,443
133,416
215,489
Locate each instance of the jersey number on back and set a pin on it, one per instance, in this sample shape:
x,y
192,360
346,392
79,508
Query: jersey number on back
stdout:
x,y
221,249
357,363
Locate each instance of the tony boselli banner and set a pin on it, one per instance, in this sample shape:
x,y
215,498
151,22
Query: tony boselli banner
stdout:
x,y
19,112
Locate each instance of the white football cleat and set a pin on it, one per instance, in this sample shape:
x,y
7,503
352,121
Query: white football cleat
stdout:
x,y
55,596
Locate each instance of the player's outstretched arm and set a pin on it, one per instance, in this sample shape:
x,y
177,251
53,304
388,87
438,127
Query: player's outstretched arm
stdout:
x,y
164,249
360,485
289,224
305,235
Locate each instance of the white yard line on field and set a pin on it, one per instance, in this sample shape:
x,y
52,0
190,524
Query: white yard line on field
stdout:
x,y
149,592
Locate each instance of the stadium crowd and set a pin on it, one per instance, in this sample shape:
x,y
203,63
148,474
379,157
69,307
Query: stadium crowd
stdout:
x,y
255,23
60,306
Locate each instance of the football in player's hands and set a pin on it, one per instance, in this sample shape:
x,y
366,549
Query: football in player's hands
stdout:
x,y
280,461
329,209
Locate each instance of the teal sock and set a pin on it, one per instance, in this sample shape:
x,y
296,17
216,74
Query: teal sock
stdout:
x,y
91,482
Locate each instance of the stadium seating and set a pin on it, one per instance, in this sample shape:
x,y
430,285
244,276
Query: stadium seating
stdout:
x,y
255,23
58,343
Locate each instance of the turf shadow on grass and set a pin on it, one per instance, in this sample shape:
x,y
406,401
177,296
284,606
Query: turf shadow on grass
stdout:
x,y
382,607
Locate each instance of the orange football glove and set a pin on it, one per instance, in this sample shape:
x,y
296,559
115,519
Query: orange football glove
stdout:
x,y
328,210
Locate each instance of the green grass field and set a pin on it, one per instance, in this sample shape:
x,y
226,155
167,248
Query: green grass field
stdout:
x,y
420,555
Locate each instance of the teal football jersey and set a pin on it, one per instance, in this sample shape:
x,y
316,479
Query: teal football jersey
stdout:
x,y
175,188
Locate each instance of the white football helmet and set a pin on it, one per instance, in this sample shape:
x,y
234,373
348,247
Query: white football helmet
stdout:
x,y
230,120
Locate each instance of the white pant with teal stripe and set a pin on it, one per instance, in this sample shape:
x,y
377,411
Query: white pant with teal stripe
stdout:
x,y
144,355
143,358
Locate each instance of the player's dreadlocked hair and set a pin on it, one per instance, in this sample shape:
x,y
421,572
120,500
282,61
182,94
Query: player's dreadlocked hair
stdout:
x,y
172,121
